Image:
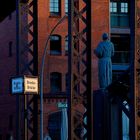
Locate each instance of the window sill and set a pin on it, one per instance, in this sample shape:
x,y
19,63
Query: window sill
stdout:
x,y
55,54
55,15
120,67
120,30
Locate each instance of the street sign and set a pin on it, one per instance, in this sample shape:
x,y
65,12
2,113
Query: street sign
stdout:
x,y
62,105
24,85
31,85
17,85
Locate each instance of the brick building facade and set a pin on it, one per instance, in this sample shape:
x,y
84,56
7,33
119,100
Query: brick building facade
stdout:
x,y
56,66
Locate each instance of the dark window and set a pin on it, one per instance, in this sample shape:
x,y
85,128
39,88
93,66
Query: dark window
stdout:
x,y
10,48
24,1
119,13
66,6
55,82
116,75
121,82
55,7
55,45
66,78
1,137
122,49
10,122
8,137
66,45
54,126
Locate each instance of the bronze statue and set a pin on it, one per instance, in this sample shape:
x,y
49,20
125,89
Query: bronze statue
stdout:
x,y
104,52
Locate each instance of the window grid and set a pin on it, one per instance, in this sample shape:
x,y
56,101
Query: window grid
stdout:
x,y
66,6
54,6
113,7
119,13
124,7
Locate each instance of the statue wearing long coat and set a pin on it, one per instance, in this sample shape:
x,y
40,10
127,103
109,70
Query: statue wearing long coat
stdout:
x,y
104,52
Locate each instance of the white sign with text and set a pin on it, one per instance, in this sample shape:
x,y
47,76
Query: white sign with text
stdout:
x,y
25,85
31,85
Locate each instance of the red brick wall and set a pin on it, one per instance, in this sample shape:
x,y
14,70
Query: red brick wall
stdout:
x,y
46,24
100,24
7,69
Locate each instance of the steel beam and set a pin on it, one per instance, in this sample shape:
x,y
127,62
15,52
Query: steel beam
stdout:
x,y
132,104
80,90
27,62
136,68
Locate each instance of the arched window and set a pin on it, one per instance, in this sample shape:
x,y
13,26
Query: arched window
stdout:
x,y
56,82
54,125
58,124
55,45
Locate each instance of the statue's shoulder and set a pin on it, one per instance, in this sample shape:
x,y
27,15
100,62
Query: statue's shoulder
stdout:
x,y
101,43
110,43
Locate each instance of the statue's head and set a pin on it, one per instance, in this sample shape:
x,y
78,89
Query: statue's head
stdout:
x,y
105,36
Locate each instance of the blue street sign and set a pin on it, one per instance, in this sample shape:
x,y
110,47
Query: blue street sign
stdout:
x,y
17,85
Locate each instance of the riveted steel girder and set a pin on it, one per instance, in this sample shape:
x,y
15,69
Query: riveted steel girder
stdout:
x,y
27,62
80,69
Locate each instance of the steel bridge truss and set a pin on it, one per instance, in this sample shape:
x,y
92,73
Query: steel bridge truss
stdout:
x,y
80,90
136,33
27,63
